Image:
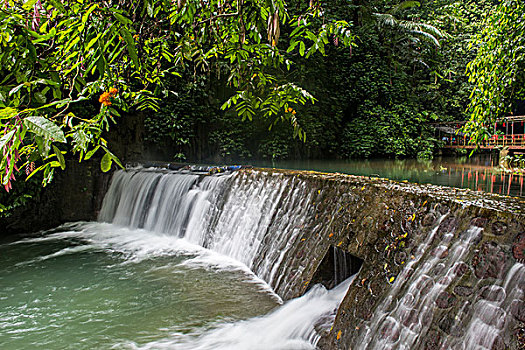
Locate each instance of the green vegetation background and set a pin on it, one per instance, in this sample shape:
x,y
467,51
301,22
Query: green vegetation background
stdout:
x,y
375,100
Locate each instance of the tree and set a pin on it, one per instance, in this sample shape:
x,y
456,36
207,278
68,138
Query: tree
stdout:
x,y
57,55
497,72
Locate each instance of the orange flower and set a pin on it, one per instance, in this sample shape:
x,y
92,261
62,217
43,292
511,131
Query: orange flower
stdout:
x,y
104,99
113,91
293,112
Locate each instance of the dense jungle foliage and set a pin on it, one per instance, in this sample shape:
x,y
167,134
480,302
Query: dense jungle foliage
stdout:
x,y
240,79
405,70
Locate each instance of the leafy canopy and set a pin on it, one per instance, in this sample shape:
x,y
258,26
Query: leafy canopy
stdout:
x,y
497,72
58,57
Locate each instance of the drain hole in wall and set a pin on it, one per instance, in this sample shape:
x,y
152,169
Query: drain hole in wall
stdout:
x,y
336,266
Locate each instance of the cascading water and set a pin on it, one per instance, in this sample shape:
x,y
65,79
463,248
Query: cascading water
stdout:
x,y
403,319
254,221
295,325
489,315
250,218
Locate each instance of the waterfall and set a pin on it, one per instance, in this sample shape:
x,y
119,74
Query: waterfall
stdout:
x,y
343,265
277,225
295,325
489,316
404,324
253,219
403,318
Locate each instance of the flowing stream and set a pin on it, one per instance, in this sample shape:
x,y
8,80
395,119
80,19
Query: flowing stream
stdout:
x,y
178,261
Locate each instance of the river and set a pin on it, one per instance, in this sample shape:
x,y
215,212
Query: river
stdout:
x,y
478,173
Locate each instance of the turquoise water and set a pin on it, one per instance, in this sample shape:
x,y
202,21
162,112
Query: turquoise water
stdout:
x,y
98,286
477,173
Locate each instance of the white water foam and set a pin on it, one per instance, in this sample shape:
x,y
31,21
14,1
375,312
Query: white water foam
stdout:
x,y
404,324
295,325
254,220
489,316
136,245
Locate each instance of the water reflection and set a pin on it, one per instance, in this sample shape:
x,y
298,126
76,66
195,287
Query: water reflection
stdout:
x,y
476,172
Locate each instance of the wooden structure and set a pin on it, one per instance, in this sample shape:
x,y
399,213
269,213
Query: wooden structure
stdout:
x,y
508,131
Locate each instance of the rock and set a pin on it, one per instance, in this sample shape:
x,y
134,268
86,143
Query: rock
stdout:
x,y
440,252
461,268
426,317
449,224
409,318
438,270
424,284
517,309
520,337
478,236
367,222
445,280
408,301
489,261
442,208
428,220
445,300
479,222
372,237
433,341
400,258
390,330
499,228
386,226
446,323
518,247
490,314
452,327
458,330
463,291
493,293
498,344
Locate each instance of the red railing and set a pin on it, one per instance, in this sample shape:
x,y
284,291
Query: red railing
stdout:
x,y
515,140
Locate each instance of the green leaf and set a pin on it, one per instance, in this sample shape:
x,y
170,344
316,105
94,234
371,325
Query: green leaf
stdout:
x,y
122,19
60,157
7,113
57,4
40,97
18,87
91,153
149,7
29,4
85,16
46,128
113,157
5,139
93,41
105,163
132,50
